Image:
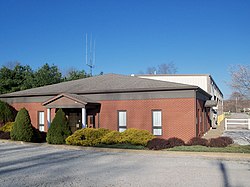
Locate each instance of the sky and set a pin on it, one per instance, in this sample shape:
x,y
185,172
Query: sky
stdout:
x,y
198,36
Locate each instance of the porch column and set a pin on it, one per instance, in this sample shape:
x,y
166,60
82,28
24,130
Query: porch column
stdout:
x,y
83,117
48,117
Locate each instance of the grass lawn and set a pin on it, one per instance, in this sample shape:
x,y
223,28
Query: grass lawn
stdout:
x,y
197,148
229,149
122,146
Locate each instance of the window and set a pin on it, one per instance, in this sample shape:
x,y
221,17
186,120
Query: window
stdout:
x,y
122,121
157,123
41,121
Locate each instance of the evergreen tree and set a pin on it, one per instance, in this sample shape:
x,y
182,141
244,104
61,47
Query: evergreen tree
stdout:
x,y
47,75
59,129
76,74
22,128
7,113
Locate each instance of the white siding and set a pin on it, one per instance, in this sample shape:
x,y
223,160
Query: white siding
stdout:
x,y
205,82
198,80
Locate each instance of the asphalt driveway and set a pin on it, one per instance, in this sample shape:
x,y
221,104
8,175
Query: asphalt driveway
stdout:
x,y
42,165
241,137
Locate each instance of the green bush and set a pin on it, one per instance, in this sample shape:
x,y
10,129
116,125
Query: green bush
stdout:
x,y
136,136
93,137
113,137
87,137
22,128
7,127
7,113
59,129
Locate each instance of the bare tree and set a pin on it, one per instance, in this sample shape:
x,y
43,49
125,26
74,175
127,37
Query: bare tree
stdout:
x,y
240,79
151,70
236,103
164,68
167,68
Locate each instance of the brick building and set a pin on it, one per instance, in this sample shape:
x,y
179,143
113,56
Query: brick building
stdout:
x,y
118,102
205,82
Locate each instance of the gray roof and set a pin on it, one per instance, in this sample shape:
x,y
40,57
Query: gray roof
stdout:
x,y
108,83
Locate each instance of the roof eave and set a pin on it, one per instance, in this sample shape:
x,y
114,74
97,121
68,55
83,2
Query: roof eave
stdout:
x,y
103,91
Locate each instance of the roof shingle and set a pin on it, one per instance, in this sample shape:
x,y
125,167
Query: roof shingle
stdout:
x,y
101,84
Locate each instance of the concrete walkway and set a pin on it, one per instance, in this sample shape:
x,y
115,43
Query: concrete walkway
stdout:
x,y
215,133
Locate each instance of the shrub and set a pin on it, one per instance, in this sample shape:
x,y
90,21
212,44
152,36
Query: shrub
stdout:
x,y
7,112
136,136
39,136
7,127
4,135
22,128
198,141
173,142
87,137
113,137
217,142
228,140
59,129
157,144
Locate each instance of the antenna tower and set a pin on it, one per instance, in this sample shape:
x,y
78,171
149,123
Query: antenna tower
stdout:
x,y
90,60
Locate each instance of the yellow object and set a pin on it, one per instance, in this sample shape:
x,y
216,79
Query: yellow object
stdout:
x,y
7,127
220,118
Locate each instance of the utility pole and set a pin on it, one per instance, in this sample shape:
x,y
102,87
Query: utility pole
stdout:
x,y
236,104
90,61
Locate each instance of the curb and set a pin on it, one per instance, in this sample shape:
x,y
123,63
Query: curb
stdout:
x,y
208,155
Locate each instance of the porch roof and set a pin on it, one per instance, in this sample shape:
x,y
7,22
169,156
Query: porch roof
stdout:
x,y
210,103
68,100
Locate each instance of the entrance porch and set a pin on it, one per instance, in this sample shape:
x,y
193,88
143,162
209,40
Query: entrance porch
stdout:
x,y
79,110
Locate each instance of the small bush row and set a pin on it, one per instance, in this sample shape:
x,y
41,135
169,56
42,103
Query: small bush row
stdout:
x,y
87,137
94,137
159,143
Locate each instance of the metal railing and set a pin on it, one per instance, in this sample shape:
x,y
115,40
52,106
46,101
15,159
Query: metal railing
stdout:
x,y
237,124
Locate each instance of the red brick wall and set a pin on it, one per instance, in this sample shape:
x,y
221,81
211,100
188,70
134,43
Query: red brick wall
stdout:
x,y
178,115
203,118
33,109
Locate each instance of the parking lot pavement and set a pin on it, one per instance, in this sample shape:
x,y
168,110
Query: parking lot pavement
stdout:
x,y
239,137
42,165
239,116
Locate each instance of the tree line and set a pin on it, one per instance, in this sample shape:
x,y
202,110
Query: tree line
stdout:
x,y
22,77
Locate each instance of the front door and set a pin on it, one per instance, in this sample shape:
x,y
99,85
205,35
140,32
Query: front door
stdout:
x,y
74,117
91,121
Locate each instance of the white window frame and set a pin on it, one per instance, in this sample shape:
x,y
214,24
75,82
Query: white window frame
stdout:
x,y
122,120
41,120
157,122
